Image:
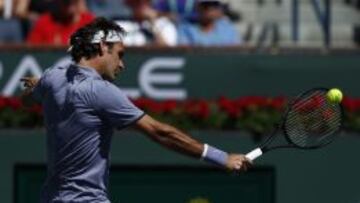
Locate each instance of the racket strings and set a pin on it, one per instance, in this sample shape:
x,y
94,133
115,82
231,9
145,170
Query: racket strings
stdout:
x,y
312,119
302,139
319,114
311,126
321,129
304,100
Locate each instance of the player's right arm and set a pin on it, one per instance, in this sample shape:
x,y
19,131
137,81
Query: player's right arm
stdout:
x,y
176,140
116,109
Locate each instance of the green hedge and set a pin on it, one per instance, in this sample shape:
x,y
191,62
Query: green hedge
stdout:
x,y
253,113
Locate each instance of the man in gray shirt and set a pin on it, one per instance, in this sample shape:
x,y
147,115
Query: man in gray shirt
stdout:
x,y
81,109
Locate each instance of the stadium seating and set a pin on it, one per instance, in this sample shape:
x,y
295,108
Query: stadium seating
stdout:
x,y
343,18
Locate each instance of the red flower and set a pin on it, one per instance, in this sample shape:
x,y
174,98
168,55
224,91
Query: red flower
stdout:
x,y
232,108
233,112
197,108
169,106
225,103
141,103
14,103
351,105
228,110
155,107
278,103
251,101
148,105
35,109
3,102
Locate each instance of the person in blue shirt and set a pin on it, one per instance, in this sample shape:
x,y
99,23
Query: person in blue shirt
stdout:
x,y
111,9
177,9
82,107
211,29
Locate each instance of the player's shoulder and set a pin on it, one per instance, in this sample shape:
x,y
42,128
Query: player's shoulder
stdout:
x,y
101,92
55,72
101,86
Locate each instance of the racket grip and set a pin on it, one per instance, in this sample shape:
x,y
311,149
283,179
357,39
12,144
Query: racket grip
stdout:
x,y
254,154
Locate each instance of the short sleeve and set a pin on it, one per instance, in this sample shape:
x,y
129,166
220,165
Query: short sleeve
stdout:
x,y
114,106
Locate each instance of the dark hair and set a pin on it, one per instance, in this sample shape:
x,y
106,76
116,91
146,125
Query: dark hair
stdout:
x,y
80,41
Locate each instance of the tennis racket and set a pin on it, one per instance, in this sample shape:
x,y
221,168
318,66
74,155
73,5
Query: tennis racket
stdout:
x,y
309,122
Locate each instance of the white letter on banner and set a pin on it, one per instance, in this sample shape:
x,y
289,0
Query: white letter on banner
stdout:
x,y
28,63
148,79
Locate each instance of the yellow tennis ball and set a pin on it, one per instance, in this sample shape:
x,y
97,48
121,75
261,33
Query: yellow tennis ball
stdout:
x,y
334,95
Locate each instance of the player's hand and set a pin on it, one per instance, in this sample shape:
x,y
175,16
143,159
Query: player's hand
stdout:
x,y
29,82
238,162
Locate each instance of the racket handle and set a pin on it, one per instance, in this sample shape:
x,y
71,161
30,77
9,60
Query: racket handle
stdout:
x,y
254,154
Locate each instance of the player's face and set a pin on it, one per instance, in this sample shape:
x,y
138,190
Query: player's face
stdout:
x,y
113,61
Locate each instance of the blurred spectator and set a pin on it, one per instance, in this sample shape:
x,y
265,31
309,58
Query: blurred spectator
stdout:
x,y
10,31
180,10
41,6
177,9
11,25
55,27
212,29
18,8
148,27
110,9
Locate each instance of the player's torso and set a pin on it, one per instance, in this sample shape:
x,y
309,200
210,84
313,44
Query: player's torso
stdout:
x,y
78,140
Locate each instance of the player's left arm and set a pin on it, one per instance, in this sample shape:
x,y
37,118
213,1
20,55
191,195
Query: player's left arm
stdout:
x,y
29,84
35,88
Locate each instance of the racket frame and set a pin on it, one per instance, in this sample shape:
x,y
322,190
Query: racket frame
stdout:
x,y
280,127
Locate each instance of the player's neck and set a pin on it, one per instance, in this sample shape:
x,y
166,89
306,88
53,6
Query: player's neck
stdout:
x,y
91,63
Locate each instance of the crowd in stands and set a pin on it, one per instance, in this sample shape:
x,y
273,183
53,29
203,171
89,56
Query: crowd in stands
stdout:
x,y
147,22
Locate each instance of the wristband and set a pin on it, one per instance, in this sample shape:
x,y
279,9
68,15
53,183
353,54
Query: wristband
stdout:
x,y
214,155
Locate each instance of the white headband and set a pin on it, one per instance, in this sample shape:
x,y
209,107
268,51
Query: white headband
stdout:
x,y
112,36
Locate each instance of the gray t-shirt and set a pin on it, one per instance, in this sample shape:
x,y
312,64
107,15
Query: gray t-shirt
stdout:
x,y
81,111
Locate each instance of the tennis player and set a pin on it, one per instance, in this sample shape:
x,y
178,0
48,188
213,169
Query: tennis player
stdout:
x,y
81,109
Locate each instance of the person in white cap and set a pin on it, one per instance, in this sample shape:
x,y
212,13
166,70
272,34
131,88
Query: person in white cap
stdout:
x,y
82,107
148,26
